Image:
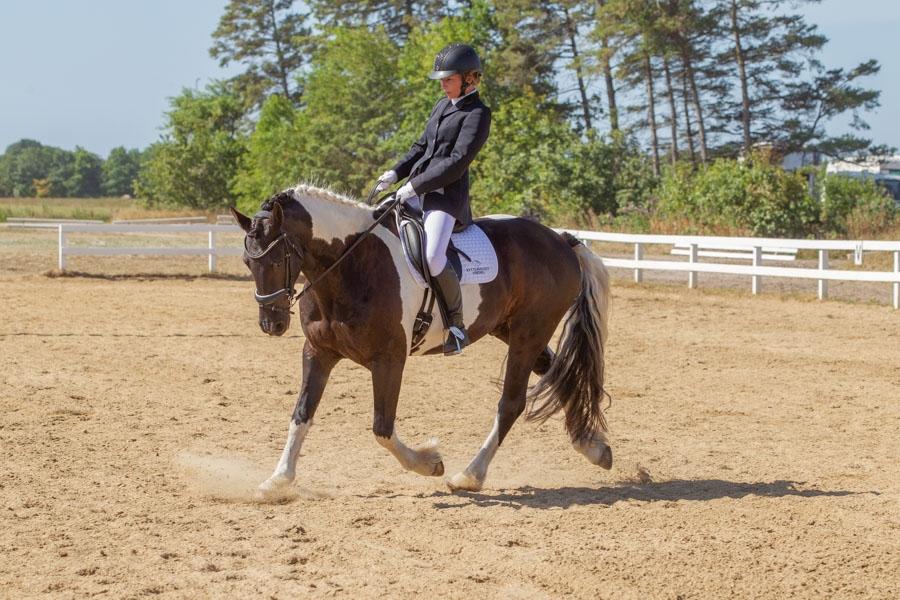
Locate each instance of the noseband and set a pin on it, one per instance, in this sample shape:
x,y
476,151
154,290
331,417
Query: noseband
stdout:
x,y
288,291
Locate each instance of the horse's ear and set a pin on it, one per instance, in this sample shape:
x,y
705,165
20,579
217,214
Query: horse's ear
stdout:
x,y
242,220
277,216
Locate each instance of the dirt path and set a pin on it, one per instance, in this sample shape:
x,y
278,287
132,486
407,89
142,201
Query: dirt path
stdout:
x,y
137,416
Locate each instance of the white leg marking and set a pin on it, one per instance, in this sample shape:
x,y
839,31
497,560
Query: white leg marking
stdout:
x,y
285,470
472,478
424,459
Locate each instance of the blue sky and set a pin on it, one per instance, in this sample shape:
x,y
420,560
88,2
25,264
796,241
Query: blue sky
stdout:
x,y
98,73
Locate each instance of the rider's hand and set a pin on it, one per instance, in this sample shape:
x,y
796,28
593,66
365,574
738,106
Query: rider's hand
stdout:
x,y
384,182
406,192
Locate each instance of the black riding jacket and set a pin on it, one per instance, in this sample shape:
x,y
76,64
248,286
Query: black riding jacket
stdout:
x,y
438,163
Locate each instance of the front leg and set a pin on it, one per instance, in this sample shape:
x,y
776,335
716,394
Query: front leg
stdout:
x,y
317,366
387,375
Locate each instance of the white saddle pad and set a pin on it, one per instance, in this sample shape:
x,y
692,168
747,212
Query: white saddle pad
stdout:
x,y
474,243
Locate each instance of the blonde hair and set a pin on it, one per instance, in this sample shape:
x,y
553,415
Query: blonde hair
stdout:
x,y
471,78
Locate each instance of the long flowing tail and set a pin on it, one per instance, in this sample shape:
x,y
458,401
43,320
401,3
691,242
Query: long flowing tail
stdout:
x,y
574,381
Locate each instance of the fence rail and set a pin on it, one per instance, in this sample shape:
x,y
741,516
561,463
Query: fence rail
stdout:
x,y
160,221
212,250
756,270
755,246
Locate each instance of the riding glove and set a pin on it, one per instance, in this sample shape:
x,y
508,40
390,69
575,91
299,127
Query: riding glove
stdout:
x,y
406,192
386,180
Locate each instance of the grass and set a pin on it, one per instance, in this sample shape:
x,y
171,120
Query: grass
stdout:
x,y
102,209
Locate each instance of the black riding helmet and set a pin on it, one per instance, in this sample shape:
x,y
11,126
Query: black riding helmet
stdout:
x,y
453,59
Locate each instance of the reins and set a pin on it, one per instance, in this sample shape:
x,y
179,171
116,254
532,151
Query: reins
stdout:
x,y
288,289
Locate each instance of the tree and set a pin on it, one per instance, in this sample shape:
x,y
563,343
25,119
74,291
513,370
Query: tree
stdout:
x,y
812,104
638,42
196,159
768,49
82,178
351,108
275,156
120,169
27,161
270,39
605,55
398,17
787,95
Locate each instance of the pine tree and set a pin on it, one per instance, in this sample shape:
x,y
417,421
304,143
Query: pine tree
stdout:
x,y
605,55
397,16
271,40
767,49
786,95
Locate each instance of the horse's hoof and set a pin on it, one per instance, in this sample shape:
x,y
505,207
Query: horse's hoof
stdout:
x,y
606,459
464,482
597,451
272,489
429,468
428,460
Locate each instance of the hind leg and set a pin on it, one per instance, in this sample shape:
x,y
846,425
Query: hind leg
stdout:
x,y
544,359
520,363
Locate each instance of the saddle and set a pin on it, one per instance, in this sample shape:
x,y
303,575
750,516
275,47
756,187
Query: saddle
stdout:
x,y
469,244
411,228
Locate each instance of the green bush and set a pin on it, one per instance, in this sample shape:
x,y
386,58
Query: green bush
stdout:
x,y
855,206
195,161
753,196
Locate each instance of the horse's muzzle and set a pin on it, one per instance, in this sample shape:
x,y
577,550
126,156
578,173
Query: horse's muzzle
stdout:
x,y
274,326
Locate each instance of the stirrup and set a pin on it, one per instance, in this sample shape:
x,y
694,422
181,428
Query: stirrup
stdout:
x,y
457,339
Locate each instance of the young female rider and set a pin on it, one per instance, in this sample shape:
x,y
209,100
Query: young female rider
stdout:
x,y
438,169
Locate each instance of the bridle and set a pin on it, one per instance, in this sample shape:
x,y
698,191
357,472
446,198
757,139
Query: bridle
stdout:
x,y
288,291
269,300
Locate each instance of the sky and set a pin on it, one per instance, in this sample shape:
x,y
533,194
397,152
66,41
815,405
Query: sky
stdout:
x,y
99,73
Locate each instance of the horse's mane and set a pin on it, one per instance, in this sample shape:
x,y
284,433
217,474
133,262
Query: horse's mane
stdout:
x,y
307,190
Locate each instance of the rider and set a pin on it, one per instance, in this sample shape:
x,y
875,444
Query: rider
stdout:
x,y
438,169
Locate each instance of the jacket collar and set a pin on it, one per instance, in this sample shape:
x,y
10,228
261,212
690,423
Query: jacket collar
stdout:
x,y
464,101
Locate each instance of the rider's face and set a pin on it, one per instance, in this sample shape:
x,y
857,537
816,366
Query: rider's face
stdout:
x,y
452,86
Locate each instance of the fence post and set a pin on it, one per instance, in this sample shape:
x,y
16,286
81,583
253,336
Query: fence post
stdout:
x,y
638,255
897,283
212,251
756,284
62,246
692,258
823,283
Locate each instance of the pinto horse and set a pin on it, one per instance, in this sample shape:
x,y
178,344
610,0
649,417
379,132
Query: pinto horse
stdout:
x,y
364,310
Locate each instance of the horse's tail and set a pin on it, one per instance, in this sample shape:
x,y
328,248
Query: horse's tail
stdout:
x,y
574,381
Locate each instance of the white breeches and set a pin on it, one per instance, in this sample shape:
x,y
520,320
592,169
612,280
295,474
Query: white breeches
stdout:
x,y
438,228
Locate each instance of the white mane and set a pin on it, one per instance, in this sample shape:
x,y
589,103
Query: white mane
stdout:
x,y
328,211
307,190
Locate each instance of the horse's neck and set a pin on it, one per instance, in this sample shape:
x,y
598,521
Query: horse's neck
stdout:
x,y
334,219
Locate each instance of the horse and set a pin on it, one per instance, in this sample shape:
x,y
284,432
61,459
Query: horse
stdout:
x,y
364,308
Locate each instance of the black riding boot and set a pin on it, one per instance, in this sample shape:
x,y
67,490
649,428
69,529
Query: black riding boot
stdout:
x,y
446,284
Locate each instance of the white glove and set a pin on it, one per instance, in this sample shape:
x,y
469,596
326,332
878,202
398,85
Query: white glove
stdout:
x,y
384,182
406,192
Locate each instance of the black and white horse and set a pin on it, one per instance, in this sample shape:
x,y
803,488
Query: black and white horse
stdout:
x,y
364,310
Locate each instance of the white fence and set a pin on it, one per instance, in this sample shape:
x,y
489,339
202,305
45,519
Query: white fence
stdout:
x,y
212,250
752,248
755,270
